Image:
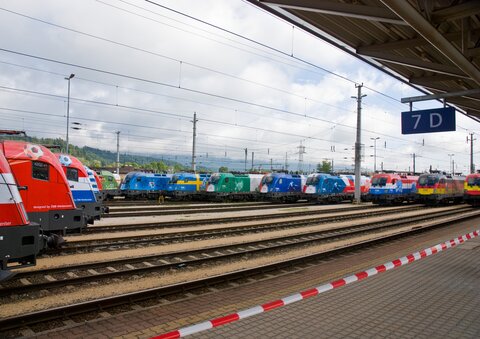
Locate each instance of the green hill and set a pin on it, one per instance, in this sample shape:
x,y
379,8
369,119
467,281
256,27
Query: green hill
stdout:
x,y
97,158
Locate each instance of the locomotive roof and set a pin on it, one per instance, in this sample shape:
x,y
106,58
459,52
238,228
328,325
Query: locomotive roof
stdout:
x,y
75,163
394,175
21,150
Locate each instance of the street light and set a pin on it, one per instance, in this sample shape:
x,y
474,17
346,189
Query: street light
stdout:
x,y
451,163
68,106
375,153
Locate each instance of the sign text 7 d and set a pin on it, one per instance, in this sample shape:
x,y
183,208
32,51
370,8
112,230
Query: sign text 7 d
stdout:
x,y
428,120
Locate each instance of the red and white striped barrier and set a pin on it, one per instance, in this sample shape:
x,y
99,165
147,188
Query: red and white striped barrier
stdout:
x,y
317,290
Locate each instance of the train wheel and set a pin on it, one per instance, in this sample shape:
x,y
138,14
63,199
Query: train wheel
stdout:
x,y
55,241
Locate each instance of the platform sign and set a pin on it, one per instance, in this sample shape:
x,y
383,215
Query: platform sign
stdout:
x,y
428,120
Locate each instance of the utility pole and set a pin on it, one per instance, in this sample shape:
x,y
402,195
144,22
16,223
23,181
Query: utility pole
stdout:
x,y
194,165
246,153
271,164
68,107
413,155
301,152
472,169
358,143
451,166
375,153
118,152
253,155
286,162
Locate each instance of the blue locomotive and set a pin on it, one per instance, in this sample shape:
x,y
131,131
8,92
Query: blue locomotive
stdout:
x,y
186,185
141,185
282,187
327,188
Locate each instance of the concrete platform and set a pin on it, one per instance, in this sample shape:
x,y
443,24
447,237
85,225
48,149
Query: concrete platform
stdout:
x,y
438,296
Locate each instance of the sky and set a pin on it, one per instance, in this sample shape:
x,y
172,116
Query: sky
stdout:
x,y
253,81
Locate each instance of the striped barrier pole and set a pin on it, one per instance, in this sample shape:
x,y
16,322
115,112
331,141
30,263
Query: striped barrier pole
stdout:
x,y
206,325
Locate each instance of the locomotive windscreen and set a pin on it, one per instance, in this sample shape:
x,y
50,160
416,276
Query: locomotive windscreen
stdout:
x,y
40,170
312,180
427,180
214,179
473,181
267,180
379,181
72,174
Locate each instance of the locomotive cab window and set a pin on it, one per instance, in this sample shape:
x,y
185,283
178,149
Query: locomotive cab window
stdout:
x,y
72,174
40,170
268,179
428,180
473,181
382,181
226,180
214,179
312,180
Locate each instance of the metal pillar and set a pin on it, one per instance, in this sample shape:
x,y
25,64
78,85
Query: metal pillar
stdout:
x,y
450,155
358,143
472,169
246,153
375,153
194,164
68,107
413,163
118,152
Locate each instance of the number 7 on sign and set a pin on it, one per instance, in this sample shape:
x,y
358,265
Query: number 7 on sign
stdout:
x,y
418,116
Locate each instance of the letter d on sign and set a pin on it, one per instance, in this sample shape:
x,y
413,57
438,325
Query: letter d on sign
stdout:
x,y
432,119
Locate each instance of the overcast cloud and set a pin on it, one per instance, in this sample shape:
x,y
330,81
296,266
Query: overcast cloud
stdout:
x,y
245,95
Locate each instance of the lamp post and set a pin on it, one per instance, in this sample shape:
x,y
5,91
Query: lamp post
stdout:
x,y
451,164
68,106
375,153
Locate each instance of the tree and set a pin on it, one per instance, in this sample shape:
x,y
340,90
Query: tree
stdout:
x,y
324,167
223,169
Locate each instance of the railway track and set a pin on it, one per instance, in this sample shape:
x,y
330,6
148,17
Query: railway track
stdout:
x,y
158,293
130,241
184,206
192,209
58,278
223,220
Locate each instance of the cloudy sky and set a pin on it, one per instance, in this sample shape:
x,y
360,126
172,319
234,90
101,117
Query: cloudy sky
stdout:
x,y
144,70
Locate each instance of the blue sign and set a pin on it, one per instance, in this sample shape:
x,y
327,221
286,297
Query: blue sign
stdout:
x,y
428,121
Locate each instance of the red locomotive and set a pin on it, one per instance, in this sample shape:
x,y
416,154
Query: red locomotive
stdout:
x,y
19,239
439,188
44,188
472,189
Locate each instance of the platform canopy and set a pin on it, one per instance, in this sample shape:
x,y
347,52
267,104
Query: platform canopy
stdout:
x,y
433,45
